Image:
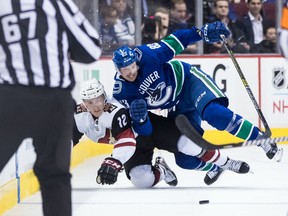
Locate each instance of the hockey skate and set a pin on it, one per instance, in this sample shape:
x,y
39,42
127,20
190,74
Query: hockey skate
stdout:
x,y
169,176
272,151
236,166
212,175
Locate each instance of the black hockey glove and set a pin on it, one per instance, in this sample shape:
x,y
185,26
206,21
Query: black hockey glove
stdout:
x,y
108,172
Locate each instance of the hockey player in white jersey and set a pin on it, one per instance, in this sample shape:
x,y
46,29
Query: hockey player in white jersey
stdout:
x,y
104,120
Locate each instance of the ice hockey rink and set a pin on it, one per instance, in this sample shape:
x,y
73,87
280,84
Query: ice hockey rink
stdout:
x,y
261,193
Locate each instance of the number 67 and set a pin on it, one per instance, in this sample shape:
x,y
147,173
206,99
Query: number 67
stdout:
x,y
11,27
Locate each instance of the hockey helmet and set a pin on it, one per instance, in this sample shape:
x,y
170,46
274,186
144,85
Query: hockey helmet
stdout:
x,y
123,57
92,89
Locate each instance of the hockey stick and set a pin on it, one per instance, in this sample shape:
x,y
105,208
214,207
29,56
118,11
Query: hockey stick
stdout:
x,y
267,132
188,130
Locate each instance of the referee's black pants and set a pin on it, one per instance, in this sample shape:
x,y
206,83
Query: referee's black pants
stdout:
x,y
46,115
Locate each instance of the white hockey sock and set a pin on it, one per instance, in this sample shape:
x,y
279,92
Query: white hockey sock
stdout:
x,y
188,147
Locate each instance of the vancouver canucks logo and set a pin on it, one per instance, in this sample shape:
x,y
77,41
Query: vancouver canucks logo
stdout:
x,y
156,94
123,53
279,78
156,97
126,55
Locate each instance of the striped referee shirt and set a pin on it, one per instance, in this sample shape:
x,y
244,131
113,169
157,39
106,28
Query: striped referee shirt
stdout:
x,y
39,37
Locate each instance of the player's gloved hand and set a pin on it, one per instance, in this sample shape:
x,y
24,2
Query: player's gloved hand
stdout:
x,y
211,32
138,110
108,172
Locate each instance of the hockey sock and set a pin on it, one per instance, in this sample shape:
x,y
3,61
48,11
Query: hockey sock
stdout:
x,y
242,128
188,147
193,163
223,118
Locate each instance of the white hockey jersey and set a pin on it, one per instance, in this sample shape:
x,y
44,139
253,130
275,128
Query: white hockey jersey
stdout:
x,y
113,126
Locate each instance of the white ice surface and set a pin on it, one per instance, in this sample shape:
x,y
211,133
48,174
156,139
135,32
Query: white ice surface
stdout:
x,y
263,193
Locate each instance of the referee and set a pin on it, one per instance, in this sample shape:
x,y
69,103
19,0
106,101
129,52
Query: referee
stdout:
x,y
37,40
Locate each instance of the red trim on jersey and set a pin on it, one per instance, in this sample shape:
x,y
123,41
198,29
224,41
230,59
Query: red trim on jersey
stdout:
x,y
106,138
124,144
128,133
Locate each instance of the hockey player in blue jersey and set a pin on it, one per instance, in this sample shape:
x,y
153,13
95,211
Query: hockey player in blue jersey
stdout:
x,y
148,72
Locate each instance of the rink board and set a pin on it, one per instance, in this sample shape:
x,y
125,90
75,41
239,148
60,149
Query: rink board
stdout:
x,y
26,184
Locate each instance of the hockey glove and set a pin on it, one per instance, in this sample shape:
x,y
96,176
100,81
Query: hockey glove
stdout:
x,y
108,172
138,110
211,32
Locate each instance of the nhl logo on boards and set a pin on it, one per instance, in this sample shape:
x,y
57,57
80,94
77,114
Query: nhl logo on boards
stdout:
x,y
279,79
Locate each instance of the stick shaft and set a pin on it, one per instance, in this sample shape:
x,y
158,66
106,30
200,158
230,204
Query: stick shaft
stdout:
x,y
267,132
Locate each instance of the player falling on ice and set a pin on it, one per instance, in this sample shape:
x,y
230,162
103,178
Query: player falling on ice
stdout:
x,y
105,120
149,72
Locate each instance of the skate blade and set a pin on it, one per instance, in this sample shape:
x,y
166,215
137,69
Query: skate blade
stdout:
x,y
278,155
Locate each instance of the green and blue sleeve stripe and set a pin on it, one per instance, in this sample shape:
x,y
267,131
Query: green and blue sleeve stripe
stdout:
x,y
178,72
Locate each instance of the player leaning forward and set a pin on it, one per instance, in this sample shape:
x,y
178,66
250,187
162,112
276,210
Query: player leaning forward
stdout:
x,y
147,72
105,120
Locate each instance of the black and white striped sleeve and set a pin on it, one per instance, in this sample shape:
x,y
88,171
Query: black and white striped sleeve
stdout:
x,y
39,37
83,38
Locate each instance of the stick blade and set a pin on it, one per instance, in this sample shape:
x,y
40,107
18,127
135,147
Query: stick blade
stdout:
x,y
188,130
185,127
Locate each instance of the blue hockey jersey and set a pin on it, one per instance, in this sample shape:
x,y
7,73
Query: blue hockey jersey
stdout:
x,y
160,79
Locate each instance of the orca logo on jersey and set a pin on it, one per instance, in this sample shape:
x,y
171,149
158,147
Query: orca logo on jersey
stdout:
x,y
156,94
156,97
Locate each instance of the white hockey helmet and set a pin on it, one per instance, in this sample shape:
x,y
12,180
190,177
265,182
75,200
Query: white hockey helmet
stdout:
x,y
92,89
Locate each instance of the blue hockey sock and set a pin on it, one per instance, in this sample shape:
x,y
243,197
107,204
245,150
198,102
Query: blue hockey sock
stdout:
x,y
242,128
223,118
